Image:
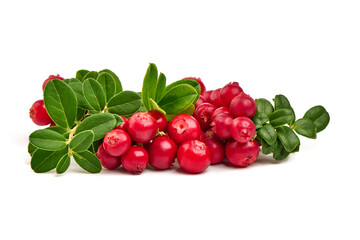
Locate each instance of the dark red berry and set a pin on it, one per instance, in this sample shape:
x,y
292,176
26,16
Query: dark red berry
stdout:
x,y
215,98
202,136
117,142
142,127
200,101
160,119
242,129
217,149
39,114
206,95
124,125
219,111
183,127
221,125
162,152
106,160
243,105
135,160
202,86
230,91
194,156
203,115
51,77
241,154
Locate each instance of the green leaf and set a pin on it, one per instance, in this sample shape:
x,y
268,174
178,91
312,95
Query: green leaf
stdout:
x,y
108,84
178,98
190,82
63,164
58,129
154,106
124,103
78,89
48,140
319,116
305,127
60,102
160,87
118,86
279,152
268,133
80,114
92,74
190,110
288,138
281,102
281,117
149,85
267,148
119,120
81,74
72,80
264,106
95,145
94,94
82,141
260,119
44,161
31,148
100,124
88,161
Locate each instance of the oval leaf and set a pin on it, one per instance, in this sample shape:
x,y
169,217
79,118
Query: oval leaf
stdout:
x,y
266,148
108,84
44,161
118,86
149,85
124,103
264,106
260,119
91,74
78,89
100,124
71,80
119,120
288,138
63,164
178,98
82,141
281,102
160,87
156,107
48,140
60,102
268,133
305,127
319,116
88,161
31,148
281,117
191,82
190,111
94,94
81,74
60,130
279,152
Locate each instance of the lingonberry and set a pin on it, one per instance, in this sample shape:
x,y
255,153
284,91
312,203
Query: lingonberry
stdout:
x,y
194,156
135,160
241,154
124,125
230,91
142,127
106,160
243,105
51,77
221,125
160,119
117,142
215,98
202,136
183,127
202,86
219,111
162,152
206,95
38,114
242,129
203,115
216,147
200,101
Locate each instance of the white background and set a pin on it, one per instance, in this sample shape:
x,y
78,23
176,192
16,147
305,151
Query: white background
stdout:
x,y
307,50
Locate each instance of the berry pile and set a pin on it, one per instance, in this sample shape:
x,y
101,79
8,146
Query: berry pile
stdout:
x,y
94,121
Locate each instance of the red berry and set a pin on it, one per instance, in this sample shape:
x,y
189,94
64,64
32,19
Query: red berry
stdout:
x,y
241,154
124,125
162,152
243,105
107,161
217,149
135,160
202,136
142,127
194,156
230,91
221,125
206,95
215,98
203,115
200,101
219,111
202,86
117,142
242,129
51,77
183,127
39,114
160,119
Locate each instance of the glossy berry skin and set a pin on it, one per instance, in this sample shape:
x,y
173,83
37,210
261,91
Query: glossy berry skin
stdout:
x,y
241,154
206,95
162,152
39,115
200,101
203,115
219,111
230,91
183,127
194,156
124,125
135,160
142,127
202,86
51,77
216,147
160,119
215,98
242,129
106,160
243,105
221,125
117,142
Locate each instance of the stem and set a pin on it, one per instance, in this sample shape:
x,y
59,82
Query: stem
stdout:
x,y
71,136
